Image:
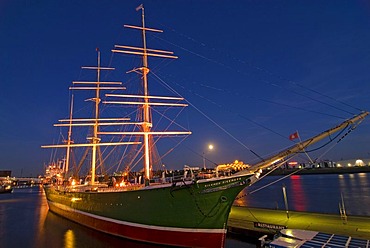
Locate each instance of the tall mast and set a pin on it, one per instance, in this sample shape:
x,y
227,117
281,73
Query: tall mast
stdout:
x,y
146,124
94,122
146,111
95,139
69,141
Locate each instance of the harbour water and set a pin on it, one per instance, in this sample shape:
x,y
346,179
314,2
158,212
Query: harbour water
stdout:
x,y
26,222
320,193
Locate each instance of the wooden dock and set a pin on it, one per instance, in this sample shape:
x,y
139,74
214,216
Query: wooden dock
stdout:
x,y
257,221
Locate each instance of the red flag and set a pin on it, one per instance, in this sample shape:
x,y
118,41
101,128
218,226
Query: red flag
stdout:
x,y
293,136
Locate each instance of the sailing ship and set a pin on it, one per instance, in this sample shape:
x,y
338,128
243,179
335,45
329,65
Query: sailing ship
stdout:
x,y
189,212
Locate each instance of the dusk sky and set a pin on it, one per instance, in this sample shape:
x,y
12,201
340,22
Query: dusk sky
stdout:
x,y
259,70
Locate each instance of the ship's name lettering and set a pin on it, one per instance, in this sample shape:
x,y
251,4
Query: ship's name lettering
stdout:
x,y
222,182
269,226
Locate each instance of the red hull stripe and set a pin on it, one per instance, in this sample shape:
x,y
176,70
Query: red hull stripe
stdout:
x,y
148,233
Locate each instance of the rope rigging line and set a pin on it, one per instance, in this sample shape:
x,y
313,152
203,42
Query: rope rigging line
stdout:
x,y
295,107
269,184
256,123
240,115
278,180
172,121
258,68
331,140
311,98
303,149
248,119
265,81
173,148
321,94
268,101
214,122
126,153
339,140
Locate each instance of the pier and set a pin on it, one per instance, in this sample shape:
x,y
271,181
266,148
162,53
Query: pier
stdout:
x,y
255,222
24,182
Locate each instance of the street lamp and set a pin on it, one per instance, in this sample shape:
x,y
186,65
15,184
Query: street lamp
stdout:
x,y
210,148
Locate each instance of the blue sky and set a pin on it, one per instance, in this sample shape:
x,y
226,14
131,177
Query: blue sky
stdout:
x,y
259,69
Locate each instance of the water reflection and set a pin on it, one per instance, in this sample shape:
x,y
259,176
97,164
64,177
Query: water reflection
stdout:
x,y
40,215
357,194
69,239
298,201
312,193
26,222
60,232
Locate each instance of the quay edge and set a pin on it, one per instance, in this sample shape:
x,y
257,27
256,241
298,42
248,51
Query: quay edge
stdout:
x,y
243,222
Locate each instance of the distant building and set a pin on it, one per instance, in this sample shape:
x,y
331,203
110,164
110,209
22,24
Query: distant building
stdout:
x,y
236,166
322,164
353,162
328,164
5,173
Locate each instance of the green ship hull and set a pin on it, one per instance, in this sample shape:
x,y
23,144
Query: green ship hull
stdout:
x,y
186,213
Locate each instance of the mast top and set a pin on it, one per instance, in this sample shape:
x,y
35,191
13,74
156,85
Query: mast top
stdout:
x,y
142,28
